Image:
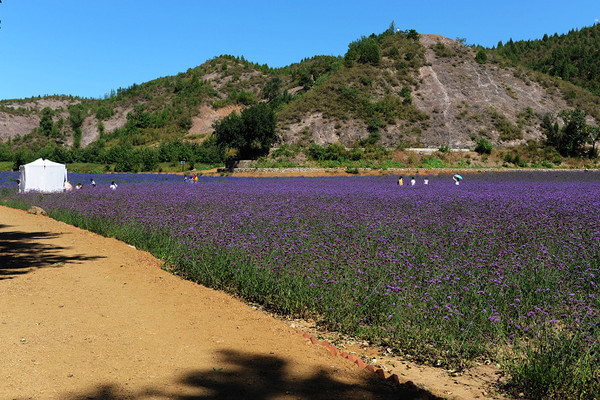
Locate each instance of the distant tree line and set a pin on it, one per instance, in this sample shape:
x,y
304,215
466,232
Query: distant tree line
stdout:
x,y
574,56
121,157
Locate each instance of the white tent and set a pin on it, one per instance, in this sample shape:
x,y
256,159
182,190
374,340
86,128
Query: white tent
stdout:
x,y
43,176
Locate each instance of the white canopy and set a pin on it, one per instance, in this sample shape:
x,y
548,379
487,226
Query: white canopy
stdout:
x,y
43,176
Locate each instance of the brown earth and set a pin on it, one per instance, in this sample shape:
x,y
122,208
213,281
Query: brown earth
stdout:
x,y
88,317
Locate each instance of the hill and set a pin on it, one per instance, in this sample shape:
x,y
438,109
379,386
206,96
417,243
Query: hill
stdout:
x,y
397,89
573,57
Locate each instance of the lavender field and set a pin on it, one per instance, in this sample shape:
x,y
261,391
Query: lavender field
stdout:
x,y
504,266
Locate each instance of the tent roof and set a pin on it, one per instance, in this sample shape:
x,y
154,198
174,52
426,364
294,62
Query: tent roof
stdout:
x,y
42,162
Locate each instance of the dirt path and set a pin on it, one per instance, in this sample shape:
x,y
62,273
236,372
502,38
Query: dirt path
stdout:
x,y
88,317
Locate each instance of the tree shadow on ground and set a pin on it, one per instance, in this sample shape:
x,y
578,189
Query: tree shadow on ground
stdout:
x,y
264,378
23,252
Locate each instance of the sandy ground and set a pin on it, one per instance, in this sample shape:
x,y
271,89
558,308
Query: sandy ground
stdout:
x,y
88,317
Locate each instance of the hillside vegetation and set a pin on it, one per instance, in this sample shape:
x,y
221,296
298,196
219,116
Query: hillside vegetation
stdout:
x,y
390,91
574,57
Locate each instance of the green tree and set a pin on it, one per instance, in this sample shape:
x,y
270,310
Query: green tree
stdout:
x,y
175,150
252,133
47,126
6,153
481,56
76,118
208,152
412,34
405,92
46,123
62,155
483,146
246,98
185,123
573,136
550,129
365,51
126,164
119,153
594,136
272,88
46,152
138,119
22,156
95,152
259,128
305,79
229,131
149,158
104,112
101,128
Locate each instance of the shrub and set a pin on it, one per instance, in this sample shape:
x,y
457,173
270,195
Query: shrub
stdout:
x,y
374,137
441,50
104,112
126,164
332,152
185,123
432,162
149,159
481,56
508,130
483,146
365,51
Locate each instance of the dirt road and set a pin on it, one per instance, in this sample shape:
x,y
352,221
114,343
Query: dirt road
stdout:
x,y
88,317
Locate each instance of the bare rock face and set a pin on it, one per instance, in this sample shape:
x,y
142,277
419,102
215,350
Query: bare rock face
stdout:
x,y
35,210
465,99
22,117
16,125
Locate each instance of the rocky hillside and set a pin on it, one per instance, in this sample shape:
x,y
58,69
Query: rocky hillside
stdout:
x,y
466,100
462,99
424,91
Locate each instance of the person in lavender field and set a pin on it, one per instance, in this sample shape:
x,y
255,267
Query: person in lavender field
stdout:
x,y
113,185
92,182
400,182
413,181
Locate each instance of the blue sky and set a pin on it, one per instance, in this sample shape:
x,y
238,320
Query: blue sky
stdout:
x,y
88,47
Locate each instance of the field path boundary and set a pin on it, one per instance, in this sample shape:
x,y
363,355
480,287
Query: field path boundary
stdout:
x,y
88,317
